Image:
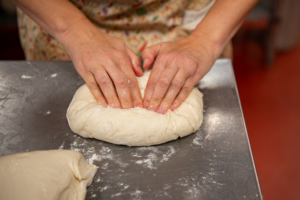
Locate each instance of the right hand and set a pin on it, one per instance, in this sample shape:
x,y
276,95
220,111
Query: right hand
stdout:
x,y
105,63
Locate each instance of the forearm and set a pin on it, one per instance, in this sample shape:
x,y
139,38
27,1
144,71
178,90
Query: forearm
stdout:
x,y
55,16
222,22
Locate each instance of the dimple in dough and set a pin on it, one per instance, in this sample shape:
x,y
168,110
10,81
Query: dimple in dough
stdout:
x,y
47,175
134,126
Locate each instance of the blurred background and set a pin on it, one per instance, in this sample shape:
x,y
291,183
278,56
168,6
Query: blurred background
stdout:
x,y
266,60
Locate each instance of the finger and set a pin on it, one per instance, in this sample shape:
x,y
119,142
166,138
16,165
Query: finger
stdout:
x,y
133,85
175,86
155,73
149,54
162,85
183,94
107,87
135,62
94,88
120,80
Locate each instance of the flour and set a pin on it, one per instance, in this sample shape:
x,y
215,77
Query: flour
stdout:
x,y
98,180
198,141
199,183
92,159
61,146
26,77
53,75
149,161
193,193
47,112
137,194
89,152
152,156
166,187
115,195
167,156
125,187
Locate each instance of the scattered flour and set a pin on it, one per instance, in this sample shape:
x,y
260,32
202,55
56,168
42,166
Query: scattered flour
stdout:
x,y
194,186
26,77
61,146
137,194
89,152
53,75
198,141
47,112
98,180
152,156
93,158
115,195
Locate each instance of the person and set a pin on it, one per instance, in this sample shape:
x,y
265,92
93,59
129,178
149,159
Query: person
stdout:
x,y
105,40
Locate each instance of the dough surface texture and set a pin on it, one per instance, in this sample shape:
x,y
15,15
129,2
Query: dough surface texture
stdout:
x,y
134,126
47,175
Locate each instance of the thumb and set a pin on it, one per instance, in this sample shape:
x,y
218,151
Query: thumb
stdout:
x,y
149,54
135,62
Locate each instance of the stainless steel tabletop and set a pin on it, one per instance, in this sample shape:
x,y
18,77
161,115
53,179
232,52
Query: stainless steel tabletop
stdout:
x,y
213,163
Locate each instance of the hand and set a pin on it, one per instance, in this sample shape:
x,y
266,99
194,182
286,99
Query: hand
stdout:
x,y
178,67
106,64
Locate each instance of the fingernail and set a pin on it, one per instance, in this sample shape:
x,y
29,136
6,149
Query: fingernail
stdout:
x,y
150,107
102,104
136,65
146,103
115,106
146,60
140,105
161,111
174,105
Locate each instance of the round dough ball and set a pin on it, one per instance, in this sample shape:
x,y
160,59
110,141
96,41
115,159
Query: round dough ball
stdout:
x,y
134,126
47,175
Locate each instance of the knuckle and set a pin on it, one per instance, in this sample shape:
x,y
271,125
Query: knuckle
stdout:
x,y
155,99
132,83
185,90
90,61
103,81
198,73
162,56
175,85
163,81
80,67
151,85
122,82
120,55
178,57
190,63
92,86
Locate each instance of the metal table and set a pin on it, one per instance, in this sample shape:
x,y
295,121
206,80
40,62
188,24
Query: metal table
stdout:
x,y
213,163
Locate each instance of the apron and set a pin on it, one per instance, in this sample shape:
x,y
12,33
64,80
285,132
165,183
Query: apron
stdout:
x,y
139,24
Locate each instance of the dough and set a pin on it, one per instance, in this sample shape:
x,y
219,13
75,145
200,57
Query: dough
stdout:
x,y
53,175
135,126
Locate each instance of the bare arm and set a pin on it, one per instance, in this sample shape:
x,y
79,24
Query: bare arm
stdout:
x,y
223,20
180,65
55,16
104,62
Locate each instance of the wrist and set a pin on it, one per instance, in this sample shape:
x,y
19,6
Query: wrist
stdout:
x,y
80,30
203,40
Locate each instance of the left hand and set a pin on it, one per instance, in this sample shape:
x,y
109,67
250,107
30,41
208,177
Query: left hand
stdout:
x,y
178,67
